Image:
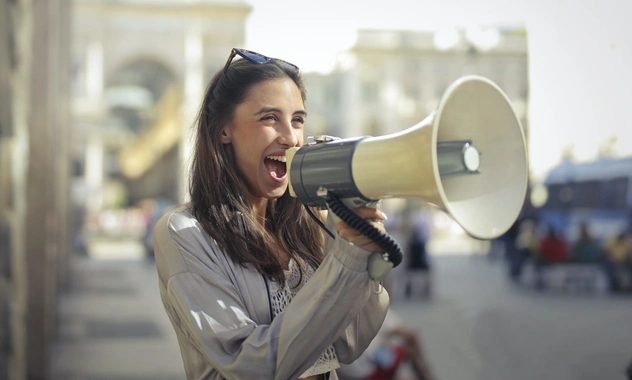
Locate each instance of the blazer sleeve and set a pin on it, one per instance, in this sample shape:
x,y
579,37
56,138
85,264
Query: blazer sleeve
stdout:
x,y
338,302
356,338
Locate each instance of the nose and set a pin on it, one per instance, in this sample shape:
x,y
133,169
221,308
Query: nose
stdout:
x,y
288,136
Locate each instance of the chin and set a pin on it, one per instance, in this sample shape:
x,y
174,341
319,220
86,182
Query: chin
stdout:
x,y
277,193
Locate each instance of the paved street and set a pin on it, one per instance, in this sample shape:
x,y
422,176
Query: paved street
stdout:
x,y
113,326
476,326
479,326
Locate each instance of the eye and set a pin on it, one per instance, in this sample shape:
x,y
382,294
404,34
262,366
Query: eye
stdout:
x,y
299,120
268,117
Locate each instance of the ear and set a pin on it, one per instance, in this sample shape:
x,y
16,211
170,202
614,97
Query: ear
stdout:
x,y
226,135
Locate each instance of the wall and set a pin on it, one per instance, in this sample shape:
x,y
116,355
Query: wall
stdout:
x,y
34,233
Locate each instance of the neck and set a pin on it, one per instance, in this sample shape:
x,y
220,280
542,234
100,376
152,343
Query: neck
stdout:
x,y
258,209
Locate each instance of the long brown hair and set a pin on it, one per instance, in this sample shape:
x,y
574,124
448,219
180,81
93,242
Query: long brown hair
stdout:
x,y
217,190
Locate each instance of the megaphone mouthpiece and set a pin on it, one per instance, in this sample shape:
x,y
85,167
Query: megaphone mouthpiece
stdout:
x,y
457,158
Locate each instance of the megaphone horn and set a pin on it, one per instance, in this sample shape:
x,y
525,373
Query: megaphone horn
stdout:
x,y
468,158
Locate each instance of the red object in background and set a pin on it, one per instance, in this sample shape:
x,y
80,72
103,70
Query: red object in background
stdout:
x,y
388,360
553,250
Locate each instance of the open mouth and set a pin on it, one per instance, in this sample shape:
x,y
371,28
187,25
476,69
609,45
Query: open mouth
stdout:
x,y
276,166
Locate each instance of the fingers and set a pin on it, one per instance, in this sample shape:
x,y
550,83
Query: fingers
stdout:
x,y
346,231
356,238
360,240
370,213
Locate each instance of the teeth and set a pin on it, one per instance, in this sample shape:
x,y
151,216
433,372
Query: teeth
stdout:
x,y
277,158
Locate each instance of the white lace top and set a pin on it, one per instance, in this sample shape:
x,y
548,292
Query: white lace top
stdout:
x,y
281,297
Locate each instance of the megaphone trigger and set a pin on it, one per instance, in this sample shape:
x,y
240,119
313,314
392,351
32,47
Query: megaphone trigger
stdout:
x,y
379,264
337,206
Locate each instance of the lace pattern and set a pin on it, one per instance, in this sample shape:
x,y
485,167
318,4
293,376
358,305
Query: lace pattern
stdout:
x,y
282,296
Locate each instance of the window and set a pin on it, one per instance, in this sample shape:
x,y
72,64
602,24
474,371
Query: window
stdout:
x,y
606,195
586,195
613,193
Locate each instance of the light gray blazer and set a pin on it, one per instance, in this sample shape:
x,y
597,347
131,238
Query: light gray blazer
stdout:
x,y
221,311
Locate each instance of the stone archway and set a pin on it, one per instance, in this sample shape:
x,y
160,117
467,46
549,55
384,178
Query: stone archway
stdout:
x,y
142,99
132,92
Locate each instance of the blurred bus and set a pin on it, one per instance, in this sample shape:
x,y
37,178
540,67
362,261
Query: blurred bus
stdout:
x,y
597,192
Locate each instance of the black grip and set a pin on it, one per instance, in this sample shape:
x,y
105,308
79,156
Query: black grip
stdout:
x,y
384,240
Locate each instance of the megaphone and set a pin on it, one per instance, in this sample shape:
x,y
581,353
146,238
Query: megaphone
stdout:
x,y
468,158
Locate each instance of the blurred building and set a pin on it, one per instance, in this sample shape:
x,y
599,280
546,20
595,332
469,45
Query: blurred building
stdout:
x,y
390,80
139,69
96,100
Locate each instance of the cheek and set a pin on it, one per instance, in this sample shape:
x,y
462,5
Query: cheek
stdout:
x,y
244,157
247,147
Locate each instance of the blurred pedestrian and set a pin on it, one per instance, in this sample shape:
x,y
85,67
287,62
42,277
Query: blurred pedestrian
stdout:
x,y
553,249
526,247
586,248
617,261
416,261
253,288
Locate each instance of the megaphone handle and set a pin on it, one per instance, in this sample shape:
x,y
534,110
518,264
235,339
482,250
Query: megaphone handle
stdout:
x,y
352,204
339,209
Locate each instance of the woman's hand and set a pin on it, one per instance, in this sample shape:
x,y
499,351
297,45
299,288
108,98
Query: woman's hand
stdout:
x,y
353,236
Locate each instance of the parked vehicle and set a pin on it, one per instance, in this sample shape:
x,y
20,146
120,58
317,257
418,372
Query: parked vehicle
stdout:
x,y
597,192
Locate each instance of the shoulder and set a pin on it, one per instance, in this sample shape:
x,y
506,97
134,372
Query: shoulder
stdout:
x,y
177,217
175,225
181,245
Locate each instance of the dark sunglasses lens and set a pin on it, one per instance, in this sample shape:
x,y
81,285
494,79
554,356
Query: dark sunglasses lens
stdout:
x,y
254,57
287,65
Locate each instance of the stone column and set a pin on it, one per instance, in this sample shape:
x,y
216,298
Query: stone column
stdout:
x,y
62,144
94,167
15,49
38,195
193,94
7,59
47,179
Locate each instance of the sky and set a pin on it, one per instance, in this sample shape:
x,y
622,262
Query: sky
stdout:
x,y
580,56
311,32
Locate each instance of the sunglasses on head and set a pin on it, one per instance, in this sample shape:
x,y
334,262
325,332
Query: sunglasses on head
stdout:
x,y
256,58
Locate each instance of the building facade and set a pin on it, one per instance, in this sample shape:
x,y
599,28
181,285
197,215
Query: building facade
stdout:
x,y
96,100
139,70
390,80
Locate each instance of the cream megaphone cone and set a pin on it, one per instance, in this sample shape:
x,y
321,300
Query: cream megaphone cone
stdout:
x,y
433,161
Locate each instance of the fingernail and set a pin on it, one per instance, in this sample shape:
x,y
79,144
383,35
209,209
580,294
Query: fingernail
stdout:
x,y
384,215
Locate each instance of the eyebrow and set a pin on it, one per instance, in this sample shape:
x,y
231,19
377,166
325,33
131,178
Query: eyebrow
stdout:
x,y
273,109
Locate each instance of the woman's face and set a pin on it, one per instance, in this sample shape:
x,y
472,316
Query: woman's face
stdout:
x,y
265,125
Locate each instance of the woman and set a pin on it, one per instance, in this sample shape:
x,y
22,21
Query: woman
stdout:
x,y
253,288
